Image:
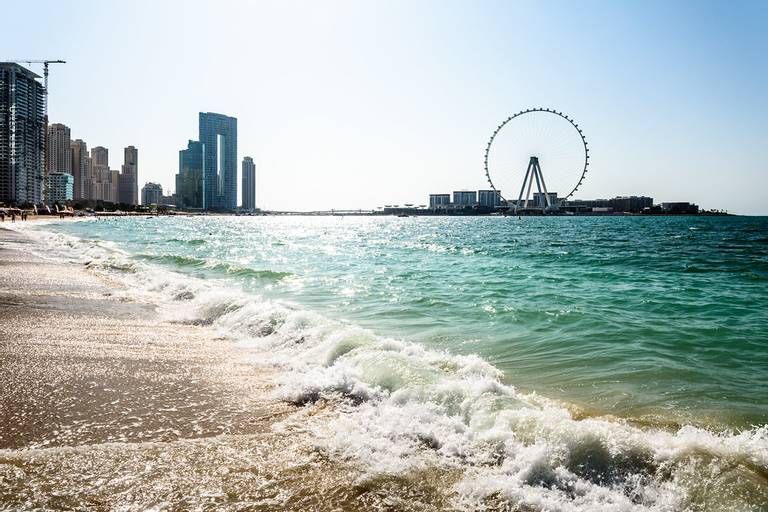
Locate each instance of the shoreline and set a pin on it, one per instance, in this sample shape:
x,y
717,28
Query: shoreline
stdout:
x,y
113,405
64,329
104,407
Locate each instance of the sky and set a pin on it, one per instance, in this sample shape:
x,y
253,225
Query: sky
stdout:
x,y
358,104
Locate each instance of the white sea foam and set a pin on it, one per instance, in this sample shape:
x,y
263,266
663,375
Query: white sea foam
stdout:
x,y
404,408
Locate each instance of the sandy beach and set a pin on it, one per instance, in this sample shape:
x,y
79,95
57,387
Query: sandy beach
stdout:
x,y
105,407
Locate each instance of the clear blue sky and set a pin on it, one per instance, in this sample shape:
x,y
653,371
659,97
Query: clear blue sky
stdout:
x,y
364,103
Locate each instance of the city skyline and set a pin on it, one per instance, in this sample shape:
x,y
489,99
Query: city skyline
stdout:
x,y
362,105
90,175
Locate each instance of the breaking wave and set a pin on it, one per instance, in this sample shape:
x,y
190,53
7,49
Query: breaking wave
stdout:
x,y
203,264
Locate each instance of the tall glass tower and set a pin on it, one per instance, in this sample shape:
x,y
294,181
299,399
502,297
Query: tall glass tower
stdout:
x,y
218,134
249,184
22,135
189,181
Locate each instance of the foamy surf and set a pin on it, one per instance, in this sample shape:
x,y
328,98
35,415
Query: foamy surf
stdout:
x,y
403,409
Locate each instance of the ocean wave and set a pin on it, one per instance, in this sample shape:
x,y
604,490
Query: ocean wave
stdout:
x,y
204,264
192,242
409,409
404,408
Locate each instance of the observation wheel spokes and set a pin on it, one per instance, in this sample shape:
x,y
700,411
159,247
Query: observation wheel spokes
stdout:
x,y
548,139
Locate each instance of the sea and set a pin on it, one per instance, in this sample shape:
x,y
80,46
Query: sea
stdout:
x,y
559,363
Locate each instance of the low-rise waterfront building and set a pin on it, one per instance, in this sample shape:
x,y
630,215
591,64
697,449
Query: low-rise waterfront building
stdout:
x,y
539,201
171,200
439,200
631,204
61,187
489,198
463,198
680,208
584,205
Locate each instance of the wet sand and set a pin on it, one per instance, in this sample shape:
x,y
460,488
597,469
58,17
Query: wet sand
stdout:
x,y
103,406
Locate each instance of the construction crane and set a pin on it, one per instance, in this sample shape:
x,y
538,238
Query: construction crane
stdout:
x,y
45,110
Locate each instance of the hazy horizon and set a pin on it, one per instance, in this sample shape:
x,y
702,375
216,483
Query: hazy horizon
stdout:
x,y
361,104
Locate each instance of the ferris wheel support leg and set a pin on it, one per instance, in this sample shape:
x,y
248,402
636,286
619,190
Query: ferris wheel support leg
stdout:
x,y
522,189
544,186
539,180
536,172
528,193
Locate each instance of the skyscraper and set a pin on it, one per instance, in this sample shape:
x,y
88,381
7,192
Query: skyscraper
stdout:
x,y
100,156
114,186
81,169
151,193
22,135
249,184
129,179
59,151
189,180
101,178
218,134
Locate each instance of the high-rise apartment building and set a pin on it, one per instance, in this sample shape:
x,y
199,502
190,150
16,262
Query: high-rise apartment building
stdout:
x,y
81,169
129,179
189,180
22,135
59,151
218,134
100,156
151,193
114,186
101,178
249,184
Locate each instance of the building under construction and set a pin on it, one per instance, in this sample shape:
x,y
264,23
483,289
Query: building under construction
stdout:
x,y
22,135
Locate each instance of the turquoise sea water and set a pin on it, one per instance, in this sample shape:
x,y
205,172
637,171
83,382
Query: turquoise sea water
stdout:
x,y
658,320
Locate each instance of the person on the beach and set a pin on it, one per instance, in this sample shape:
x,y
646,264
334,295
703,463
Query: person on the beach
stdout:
x,y
13,217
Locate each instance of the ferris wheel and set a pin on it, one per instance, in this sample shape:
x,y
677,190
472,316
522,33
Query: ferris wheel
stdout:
x,y
539,138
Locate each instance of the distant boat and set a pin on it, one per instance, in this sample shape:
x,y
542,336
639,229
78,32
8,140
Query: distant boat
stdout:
x,y
403,215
